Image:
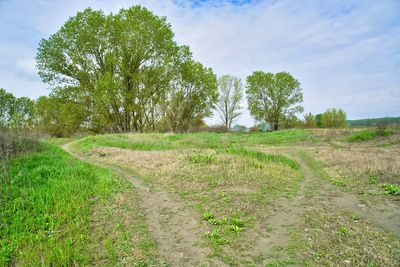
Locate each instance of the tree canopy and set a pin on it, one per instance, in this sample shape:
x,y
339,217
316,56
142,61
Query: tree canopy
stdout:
x,y
121,67
273,97
15,112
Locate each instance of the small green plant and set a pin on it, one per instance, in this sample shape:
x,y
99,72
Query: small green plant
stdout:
x,y
338,183
391,189
216,238
201,158
343,231
373,180
355,217
224,229
208,216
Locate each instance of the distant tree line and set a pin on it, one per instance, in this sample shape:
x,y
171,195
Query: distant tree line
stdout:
x,y
124,72
375,121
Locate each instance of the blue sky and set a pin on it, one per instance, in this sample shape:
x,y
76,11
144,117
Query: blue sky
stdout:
x,y
344,53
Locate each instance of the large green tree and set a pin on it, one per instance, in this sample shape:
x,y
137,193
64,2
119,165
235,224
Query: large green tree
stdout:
x,y
230,91
273,97
118,66
193,95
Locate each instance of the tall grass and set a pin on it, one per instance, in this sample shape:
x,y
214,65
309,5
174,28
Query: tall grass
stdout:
x,y
263,156
13,143
366,135
45,207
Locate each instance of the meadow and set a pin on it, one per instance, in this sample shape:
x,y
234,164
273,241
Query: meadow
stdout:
x,y
285,198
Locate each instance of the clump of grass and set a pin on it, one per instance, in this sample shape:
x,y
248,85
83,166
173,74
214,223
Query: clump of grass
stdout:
x,y
391,189
201,158
366,135
263,156
224,230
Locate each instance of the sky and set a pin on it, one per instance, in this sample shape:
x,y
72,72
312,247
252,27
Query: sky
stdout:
x,y
345,53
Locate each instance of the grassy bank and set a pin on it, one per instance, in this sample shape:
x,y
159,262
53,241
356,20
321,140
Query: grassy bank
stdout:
x,y
48,207
202,140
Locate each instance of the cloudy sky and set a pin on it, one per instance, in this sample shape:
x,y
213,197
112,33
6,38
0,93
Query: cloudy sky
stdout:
x,y
344,53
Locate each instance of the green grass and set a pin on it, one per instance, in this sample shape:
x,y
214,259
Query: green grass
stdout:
x,y
201,140
46,205
391,189
264,157
133,142
366,135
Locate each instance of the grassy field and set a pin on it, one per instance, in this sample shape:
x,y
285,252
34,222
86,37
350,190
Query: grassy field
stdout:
x,y
296,197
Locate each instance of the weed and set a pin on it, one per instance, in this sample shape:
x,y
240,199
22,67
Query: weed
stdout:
x,y
208,216
391,189
373,180
343,231
201,158
216,238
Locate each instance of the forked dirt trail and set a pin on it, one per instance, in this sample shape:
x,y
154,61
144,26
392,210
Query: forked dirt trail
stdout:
x,y
178,229
314,193
171,222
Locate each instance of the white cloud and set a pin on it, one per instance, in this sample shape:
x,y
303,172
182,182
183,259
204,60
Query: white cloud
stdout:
x,y
344,53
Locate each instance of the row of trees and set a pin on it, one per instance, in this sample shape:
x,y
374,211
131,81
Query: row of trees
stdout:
x,y
124,72
16,112
331,118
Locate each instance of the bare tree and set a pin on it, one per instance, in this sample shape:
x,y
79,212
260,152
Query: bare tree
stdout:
x,y
230,95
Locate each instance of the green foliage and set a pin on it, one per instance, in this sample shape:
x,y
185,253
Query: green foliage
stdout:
x,y
272,97
309,120
201,158
343,231
59,117
224,230
230,95
192,96
45,208
373,180
391,189
291,121
264,157
318,120
334,118
16,112
123,72
366,135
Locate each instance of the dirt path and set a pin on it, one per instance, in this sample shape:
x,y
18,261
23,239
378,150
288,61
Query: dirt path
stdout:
x,y
171,222
385,214
315,194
